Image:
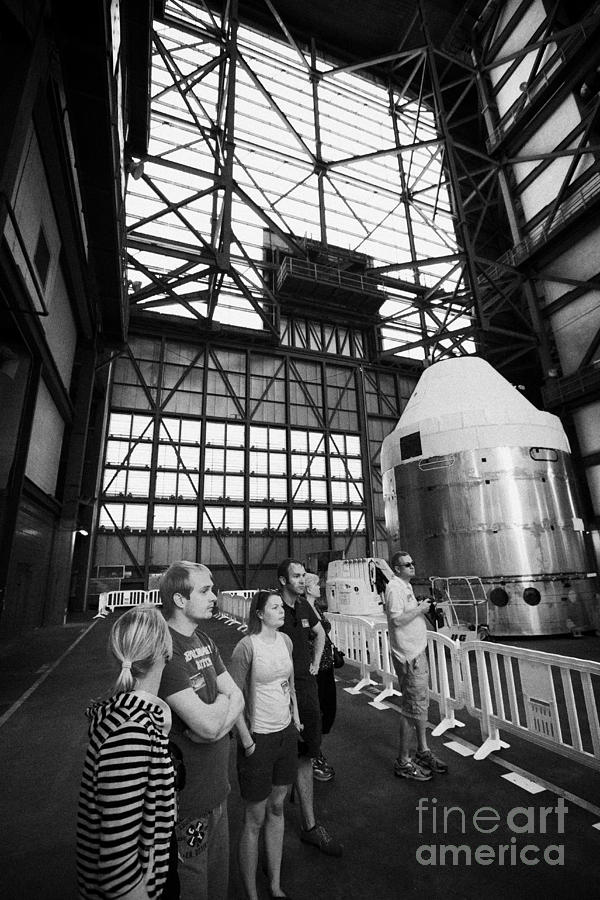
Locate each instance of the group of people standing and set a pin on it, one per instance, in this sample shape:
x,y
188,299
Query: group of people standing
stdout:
x,y
174,700
145,834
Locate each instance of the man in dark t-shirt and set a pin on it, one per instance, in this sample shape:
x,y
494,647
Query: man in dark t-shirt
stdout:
x,y
205,702
299,623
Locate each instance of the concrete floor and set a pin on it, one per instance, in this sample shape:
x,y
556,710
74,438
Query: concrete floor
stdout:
x,y
48,677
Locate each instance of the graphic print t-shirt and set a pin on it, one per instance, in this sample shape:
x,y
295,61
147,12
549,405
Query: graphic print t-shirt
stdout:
x,y
197,663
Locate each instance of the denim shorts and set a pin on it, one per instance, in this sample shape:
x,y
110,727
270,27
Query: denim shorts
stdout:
x,y
413,683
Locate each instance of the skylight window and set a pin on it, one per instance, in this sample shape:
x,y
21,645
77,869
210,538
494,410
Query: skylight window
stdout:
x,y
356,162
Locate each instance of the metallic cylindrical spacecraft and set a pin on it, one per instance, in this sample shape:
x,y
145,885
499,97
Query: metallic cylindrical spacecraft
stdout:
x,y
479,482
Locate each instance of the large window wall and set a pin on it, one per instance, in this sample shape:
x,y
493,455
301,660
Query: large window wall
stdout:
x,y
240,458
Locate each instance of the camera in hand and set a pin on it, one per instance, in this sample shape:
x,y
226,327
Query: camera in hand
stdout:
x,y
434,616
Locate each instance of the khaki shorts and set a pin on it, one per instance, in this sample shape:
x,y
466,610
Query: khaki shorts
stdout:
x,y
413,683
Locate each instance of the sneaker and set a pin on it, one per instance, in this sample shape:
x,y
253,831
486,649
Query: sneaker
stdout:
x,y
320,837
323,760
323,764
427,761
321,770
412,771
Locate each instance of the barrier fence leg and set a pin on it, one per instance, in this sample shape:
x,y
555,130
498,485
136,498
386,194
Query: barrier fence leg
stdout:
x,y
491,744
388,691
365,681
447,722
362,651
489,731
103,607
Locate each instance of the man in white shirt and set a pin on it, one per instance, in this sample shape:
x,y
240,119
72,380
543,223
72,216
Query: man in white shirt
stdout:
x,y
408,641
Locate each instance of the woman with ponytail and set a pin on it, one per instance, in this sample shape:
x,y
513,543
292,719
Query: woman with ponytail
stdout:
x,y
127,798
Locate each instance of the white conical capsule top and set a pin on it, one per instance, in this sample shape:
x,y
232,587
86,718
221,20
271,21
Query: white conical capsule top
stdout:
x,y
465,404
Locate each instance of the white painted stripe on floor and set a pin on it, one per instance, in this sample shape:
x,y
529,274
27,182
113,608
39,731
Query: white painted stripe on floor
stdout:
x,y
532,787
18,703
459,748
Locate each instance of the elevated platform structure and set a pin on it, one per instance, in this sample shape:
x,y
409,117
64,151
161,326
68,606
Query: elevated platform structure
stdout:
x,y
330,285
325,278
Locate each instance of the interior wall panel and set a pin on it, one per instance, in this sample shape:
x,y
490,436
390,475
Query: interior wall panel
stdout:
x,y
27,580
587,420
34,212
516,38
60,328
551,133
45,445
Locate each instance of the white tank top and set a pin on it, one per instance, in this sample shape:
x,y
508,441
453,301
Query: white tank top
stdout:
x,y
271,673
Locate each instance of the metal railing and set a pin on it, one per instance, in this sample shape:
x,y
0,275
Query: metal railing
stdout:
x,y
542,233
328,275
570,387
512,115
579,200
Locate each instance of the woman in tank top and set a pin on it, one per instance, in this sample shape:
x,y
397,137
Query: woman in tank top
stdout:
x,y
262,667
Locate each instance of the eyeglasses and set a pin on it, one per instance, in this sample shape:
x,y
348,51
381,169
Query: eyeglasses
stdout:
x,y
407,565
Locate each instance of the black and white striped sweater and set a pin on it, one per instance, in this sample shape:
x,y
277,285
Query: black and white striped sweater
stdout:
x,y
127,798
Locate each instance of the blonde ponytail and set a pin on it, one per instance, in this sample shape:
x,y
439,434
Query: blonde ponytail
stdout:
x,y
137,639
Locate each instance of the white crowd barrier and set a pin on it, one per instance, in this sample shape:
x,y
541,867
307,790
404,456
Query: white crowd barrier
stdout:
x,y
354,635
446,685
110,600
234,607
518,691
366,643
509,688
381,661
